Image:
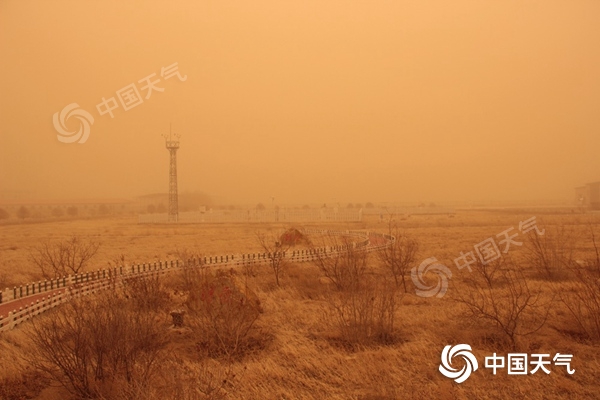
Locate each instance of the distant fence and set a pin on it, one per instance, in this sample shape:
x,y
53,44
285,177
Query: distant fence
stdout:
x,y
281,215
385,212
62,289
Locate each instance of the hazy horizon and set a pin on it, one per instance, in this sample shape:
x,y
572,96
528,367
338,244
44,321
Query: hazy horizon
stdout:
x,y
308,102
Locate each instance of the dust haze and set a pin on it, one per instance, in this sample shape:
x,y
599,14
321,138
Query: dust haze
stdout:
x,y
306,101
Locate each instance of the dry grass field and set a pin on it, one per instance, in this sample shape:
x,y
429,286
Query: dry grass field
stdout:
x,y
294,348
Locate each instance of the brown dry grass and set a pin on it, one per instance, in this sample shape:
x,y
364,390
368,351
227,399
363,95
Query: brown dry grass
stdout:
x,y
300,360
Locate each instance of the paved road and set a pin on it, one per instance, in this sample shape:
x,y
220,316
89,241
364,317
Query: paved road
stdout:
x,y
5,308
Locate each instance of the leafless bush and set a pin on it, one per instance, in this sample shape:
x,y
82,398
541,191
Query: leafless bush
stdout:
x,y
223,315
248,268
117,262
399,257
550,254
90,343
366,314
363,308
65,257
188,274
275,251
146,293
498,293
582,297
344,268
186,255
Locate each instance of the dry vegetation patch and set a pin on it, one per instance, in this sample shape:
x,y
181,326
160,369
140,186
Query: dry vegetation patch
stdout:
x,y
347,328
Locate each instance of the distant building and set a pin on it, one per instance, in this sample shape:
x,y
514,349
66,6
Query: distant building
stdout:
x,y
588,196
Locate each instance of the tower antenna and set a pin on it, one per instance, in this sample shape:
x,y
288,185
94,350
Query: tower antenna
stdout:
x,y
172,144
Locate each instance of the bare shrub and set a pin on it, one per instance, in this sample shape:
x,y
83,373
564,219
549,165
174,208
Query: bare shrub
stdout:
x,y
366,315
188,256
90,343
363,308
146,293
275,251
190,261
399,257
65,257
343,268
582,297
222,315
550,254
248,268
498,293
117,261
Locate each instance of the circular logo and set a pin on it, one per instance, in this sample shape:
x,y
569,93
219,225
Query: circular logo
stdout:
x,y
85,122
430,265
464,351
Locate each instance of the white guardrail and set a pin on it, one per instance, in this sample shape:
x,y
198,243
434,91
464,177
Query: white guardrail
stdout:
x,y
27,297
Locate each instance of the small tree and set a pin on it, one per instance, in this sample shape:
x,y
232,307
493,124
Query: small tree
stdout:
x,y
57,212
70,256
344,265
497,292
260,206
3,214
72,211
23,212
399,256
275,252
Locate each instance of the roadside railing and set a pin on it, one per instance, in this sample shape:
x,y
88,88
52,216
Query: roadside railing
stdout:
x,y
62,289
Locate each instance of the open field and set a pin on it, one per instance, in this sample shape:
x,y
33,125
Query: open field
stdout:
x,y
300,354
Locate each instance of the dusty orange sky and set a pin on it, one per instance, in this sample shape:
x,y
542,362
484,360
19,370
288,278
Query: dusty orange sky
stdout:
x,y
306,101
